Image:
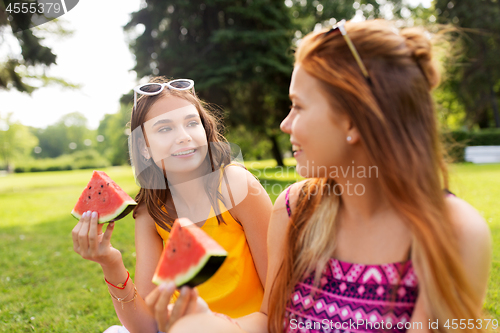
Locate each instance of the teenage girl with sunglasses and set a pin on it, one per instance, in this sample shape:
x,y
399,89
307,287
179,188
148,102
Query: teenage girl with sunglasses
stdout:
x,y
183,165
386,251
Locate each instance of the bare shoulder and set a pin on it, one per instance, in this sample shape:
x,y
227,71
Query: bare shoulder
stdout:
x,y
471,227
280,219
238,175
242,187
142,217
474,241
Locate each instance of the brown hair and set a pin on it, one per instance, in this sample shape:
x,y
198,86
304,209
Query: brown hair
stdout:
x,y
394,114
154,190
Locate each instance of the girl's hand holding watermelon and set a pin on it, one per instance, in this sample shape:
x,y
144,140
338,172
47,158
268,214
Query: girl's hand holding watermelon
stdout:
x,y
167,314
91,243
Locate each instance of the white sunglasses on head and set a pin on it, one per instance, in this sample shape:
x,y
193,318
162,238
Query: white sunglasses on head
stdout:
x,y
154,88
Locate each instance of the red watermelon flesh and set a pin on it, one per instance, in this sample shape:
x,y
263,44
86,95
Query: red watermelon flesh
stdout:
x,y
104,196
190,256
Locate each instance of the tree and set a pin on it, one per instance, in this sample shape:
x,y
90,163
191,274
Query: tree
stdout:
x,y
69,134
24,71
474,74
114,131
236,51
16,141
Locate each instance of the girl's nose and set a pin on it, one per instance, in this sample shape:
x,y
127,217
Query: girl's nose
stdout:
x,y
286,124
183,137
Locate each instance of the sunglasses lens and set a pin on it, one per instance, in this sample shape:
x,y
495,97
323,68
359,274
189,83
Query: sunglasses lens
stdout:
x,y
151,88
180,84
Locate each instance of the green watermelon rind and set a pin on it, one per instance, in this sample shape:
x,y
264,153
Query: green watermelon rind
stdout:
x,y
125,208
197,274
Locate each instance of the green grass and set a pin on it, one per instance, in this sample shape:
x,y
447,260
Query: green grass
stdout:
x,y
46,287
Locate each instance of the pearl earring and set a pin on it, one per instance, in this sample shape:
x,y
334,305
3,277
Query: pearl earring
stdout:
x,y
349,138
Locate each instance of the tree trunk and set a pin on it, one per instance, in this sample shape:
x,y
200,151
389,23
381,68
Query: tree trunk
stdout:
x,y
494,104
276,150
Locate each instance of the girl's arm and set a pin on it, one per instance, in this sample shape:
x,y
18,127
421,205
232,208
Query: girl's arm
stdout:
x,y
252,208
475,249
278,225
92,244
148,248
255,322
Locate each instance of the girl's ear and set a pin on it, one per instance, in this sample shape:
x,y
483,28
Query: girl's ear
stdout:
x,y
352,133
144,150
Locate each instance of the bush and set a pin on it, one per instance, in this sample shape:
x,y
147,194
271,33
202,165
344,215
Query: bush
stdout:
x,y
85,159
456,141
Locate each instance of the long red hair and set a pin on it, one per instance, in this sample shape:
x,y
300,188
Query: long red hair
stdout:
x,y
395,116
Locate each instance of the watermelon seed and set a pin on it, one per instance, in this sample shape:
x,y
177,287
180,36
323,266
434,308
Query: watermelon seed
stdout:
x,y
90,187
108,184
102,186
99,193
173,250
89,196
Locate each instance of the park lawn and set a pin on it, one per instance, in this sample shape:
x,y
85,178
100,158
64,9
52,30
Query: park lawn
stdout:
x,y
46,287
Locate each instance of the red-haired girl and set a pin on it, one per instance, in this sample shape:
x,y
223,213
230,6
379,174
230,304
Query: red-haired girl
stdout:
x,y
371,241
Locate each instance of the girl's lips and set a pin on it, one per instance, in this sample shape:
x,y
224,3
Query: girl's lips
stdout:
x,y
297,150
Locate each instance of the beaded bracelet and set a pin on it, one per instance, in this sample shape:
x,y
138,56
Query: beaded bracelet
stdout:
x,y
121,300
119,285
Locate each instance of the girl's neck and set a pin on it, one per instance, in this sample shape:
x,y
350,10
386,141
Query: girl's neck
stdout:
x,y
362,200
189,194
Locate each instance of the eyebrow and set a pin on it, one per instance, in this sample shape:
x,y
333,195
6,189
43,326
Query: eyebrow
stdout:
x,y
294,96
168,121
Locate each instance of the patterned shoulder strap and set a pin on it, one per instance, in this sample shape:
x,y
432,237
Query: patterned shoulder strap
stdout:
x,y
287,201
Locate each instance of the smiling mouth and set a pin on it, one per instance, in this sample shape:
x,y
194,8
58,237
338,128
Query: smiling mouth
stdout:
x,y
296,148
185,152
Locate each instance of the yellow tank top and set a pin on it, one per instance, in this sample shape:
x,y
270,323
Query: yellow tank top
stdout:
x,y
235,290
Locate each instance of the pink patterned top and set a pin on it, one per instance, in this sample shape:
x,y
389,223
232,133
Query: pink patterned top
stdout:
x,y
354,298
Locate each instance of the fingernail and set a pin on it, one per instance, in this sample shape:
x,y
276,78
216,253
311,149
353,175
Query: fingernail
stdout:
x,y
184,291
94,215
171,286
163,286
83,215
88,213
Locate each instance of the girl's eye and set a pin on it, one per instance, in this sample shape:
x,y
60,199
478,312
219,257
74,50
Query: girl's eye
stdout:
x,y
193,123
294,107
164,129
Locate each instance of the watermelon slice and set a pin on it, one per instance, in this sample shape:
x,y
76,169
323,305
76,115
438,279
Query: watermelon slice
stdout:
x,y
104,196
190,257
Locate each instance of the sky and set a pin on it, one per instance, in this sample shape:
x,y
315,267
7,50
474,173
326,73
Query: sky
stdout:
x,y
96,57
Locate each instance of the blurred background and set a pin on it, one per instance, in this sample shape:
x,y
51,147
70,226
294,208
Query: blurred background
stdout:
x,y
65,86
66,99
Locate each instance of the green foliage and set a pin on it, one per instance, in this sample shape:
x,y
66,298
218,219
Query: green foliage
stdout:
x,y
456,141
237,52
16,141
253,147
84,159
17,69
68,135
114,129
474,66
